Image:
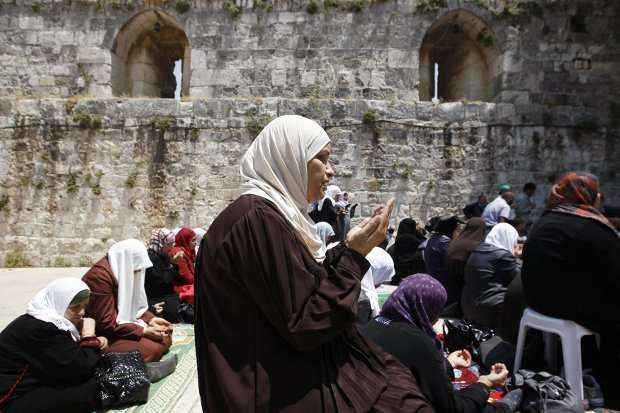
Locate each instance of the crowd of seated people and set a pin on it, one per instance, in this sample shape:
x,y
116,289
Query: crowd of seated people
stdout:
x,y
126,301
285,303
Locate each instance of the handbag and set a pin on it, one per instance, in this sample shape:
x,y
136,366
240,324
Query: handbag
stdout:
x,y
463,335
545,393
122,379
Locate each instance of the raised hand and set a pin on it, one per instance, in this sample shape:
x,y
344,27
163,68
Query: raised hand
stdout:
x,y
371,231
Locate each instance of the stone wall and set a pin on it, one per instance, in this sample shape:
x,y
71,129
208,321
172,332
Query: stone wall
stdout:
x,y
84,164
78,175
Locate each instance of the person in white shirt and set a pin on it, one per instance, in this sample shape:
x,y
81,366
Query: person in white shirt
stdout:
x,y
499,210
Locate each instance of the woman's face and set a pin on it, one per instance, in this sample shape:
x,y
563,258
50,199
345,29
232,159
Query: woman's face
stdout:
x,y
320,172
192,243
76,313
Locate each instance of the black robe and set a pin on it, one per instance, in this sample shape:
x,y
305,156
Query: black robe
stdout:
x,y
59,376
275,330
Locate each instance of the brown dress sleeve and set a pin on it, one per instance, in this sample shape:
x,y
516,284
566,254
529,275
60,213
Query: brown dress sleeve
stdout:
x,y
308,303
102,306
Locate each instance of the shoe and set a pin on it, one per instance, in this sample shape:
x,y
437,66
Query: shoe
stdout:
x,y
157,370
512,400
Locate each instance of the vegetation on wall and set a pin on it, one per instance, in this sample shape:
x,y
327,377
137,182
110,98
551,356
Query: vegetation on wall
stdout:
x,y
182,6
16,259
429,6
255,122
232,9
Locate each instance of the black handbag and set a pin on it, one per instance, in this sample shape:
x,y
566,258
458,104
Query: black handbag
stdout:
x,y
545,393
122,379
463,335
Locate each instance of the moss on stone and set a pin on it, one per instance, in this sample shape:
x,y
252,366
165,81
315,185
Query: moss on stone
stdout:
x,y
61,262
370,118
182,6
233,10
72,186
16,259
429,6
312,7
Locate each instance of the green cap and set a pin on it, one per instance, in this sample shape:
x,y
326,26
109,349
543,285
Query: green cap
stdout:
x,y
504,188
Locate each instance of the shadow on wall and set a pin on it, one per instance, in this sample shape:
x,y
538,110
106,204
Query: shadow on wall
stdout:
x,y
144,54
459,59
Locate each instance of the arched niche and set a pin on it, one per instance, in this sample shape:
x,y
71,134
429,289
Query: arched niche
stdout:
x,y
144,55
462,49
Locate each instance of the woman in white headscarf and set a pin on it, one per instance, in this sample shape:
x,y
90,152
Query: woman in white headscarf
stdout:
x,y
48,355
275,311
490,268
119,304
380,272
325,231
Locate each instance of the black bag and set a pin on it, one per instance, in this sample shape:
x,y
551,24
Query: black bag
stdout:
x,y
545,393
463,335
122,379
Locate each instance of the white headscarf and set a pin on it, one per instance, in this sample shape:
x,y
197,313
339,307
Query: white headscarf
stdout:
x,y
275,168
200,233
125,257
503,236
325,230
330,193
381,271
50,303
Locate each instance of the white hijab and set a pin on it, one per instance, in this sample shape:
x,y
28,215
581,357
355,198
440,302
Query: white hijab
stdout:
x,y
50,303
275,168
125,257
330,193
381,271
325,231
503,236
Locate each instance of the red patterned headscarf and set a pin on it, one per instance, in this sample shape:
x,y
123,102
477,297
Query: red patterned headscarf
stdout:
x,y
182,240
576,194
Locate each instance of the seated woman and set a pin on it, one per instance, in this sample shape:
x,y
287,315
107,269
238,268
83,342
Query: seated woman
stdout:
x,y
380,272
458,253
491,267
184,254
119,305
163,299
405,252
275,311
405,329
326,232
48,355
437,246
571,270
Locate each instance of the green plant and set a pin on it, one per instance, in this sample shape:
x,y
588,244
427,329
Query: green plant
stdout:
x,y
85,75
356,5
24,181
194,135
96,189
162,124
263,5
193,190
370,118
116,4
329,4
4,202
130,5
233,10
255,122
429,6
182,6
72,186
99,174
85,261
16,259
36,7
39,185
131,180
174,215
313,7
61,261
99,5
85,120
70,104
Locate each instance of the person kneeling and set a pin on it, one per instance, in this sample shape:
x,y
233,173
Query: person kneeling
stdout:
x,y
119,303
46,365
405,329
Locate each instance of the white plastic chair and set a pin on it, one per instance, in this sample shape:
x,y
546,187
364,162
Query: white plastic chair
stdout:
x,y
570,334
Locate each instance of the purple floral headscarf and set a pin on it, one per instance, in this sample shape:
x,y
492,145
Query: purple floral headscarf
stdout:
x,y
419,300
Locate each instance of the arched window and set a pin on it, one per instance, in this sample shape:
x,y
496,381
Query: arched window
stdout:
x,y
151,57
459,59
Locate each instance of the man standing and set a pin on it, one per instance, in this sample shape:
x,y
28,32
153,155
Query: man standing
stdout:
x,y
524,205
474,210
499,210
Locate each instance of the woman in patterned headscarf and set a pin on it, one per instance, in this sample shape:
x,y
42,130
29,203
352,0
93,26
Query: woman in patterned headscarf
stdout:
x,y
571,268
163,300
405,329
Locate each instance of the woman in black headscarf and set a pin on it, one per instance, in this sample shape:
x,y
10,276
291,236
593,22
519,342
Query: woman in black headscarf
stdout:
x,y
459,251
407,258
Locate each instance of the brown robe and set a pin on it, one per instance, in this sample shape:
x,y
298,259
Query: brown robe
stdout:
x,y
275,330
103,307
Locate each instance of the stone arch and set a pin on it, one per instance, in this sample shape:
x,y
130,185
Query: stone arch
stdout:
x,y
463,46
144,54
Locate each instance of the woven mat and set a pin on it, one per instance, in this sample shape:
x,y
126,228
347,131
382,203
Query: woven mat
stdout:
x,y
179,391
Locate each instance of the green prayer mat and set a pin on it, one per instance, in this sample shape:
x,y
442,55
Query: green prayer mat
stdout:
x,y
177,392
